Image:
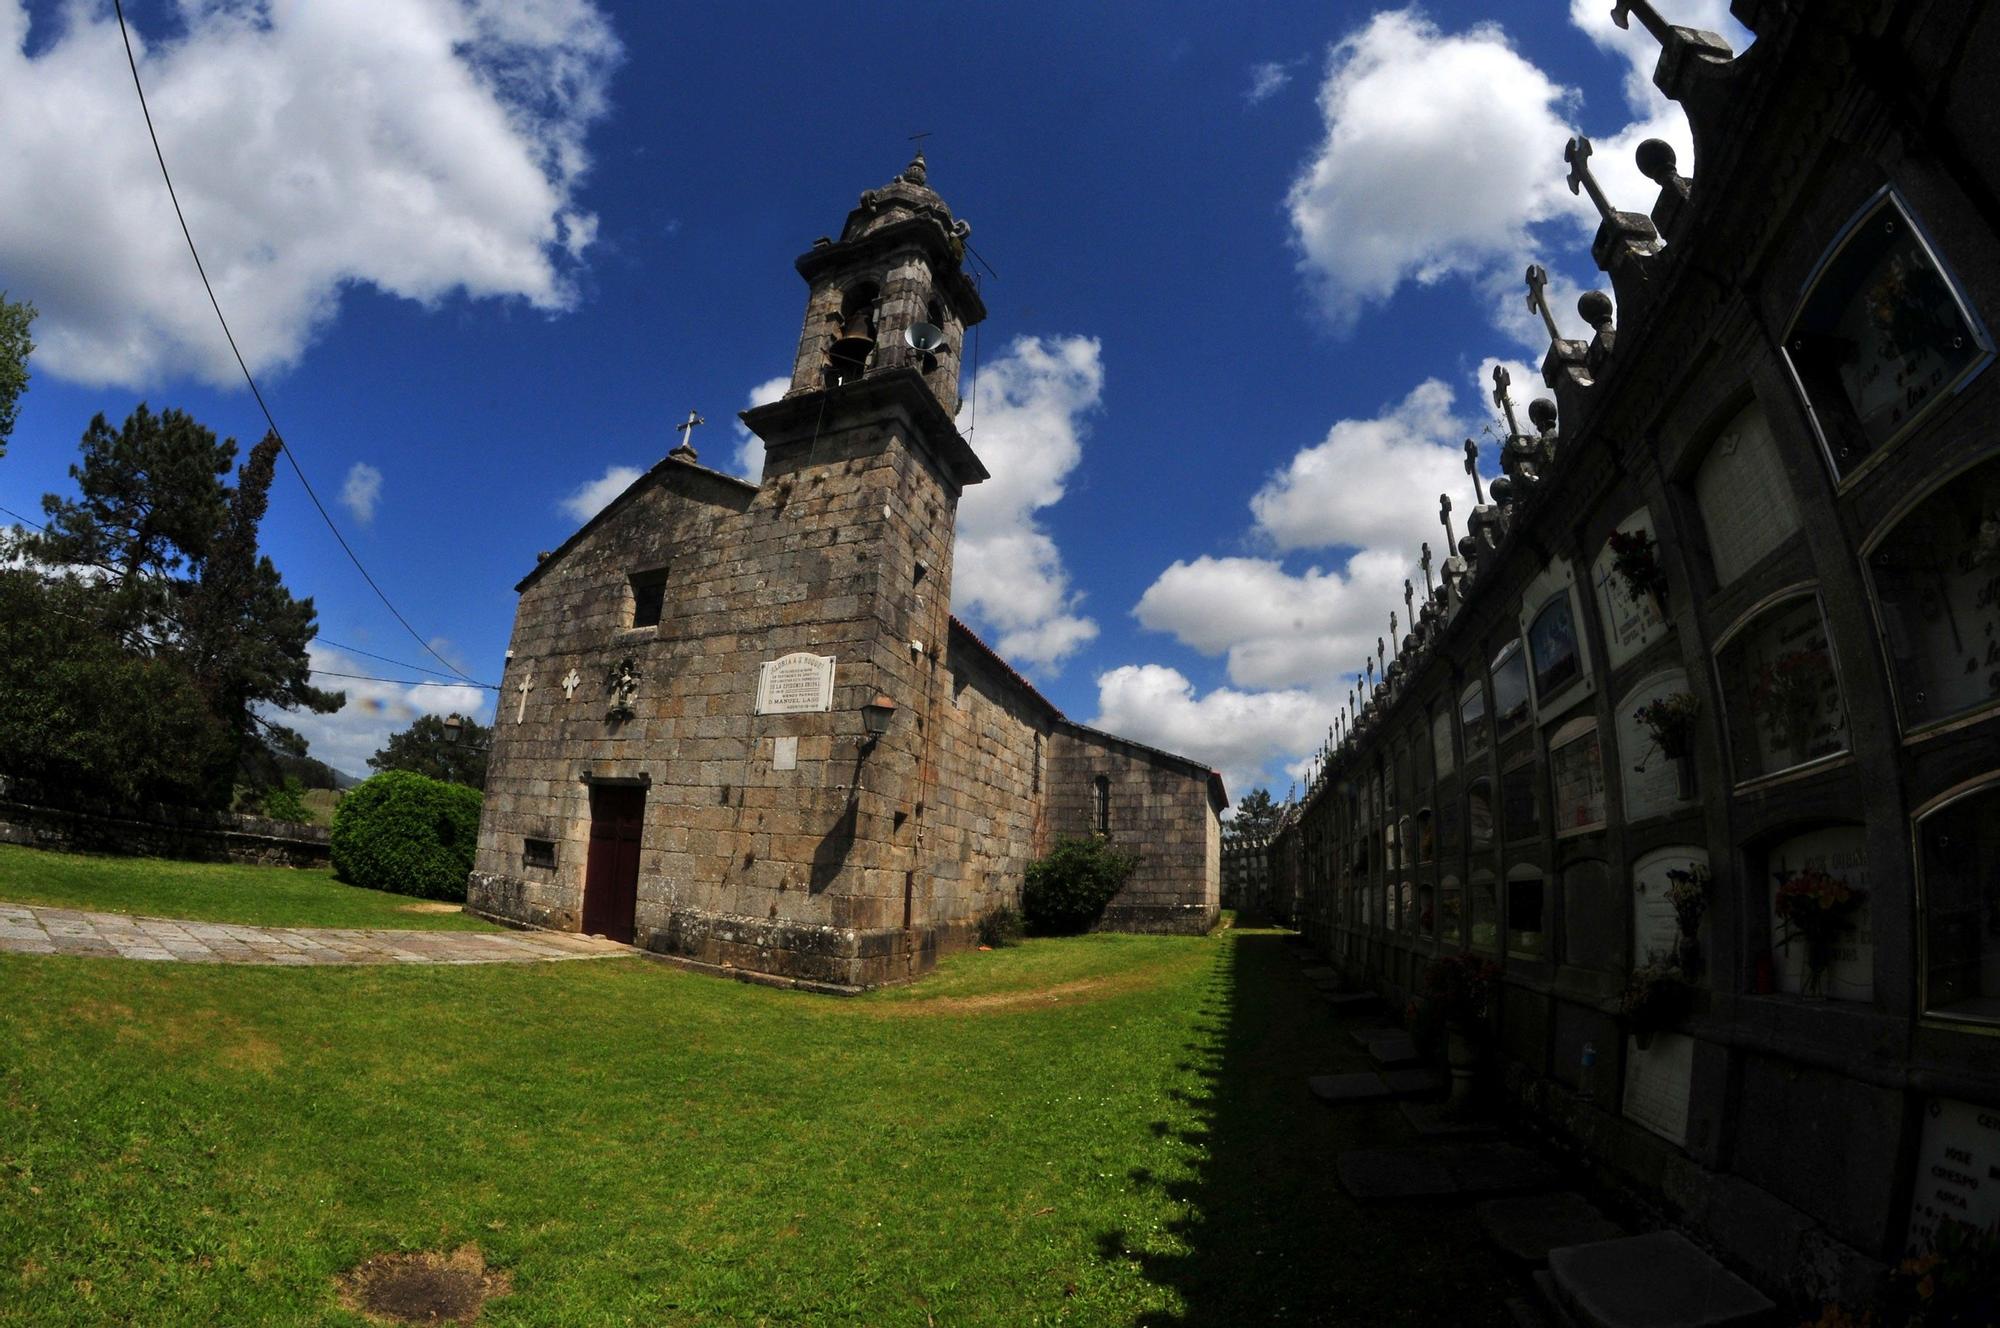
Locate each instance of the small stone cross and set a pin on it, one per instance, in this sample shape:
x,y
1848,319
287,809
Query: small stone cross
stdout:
x,y
526,685
1472,469
1538,299
1502,380
1622,10
1410,601
686,430
1425,563
1577,154
1444,515
571,681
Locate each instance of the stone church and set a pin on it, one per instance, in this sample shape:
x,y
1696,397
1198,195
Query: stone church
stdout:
x,y
739,724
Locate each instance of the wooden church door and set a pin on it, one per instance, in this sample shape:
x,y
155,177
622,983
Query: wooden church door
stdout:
x,y
611,873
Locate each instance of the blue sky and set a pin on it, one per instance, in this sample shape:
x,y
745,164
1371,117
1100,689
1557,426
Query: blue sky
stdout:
x,y
1252,266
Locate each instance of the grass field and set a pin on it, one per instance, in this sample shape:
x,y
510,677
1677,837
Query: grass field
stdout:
x,y
210,892
1106,1130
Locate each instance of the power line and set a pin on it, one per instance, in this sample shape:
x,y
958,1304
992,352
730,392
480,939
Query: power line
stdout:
x,y
401,682
285,447
320,637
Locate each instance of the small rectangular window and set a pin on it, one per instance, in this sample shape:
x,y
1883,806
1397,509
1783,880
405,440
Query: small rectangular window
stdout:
x,y
649,597
538,853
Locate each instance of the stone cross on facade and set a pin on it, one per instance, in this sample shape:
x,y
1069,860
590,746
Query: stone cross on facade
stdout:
x,y
1502,380
1472,469
686,430
571,681
526,685
1577,154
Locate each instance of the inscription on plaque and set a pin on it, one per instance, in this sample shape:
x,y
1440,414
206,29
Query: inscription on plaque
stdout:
x,y
1576,769
1630,624
1441,747
1658,1083
1746,504
1781,691
795,685
1654,783
1958,1170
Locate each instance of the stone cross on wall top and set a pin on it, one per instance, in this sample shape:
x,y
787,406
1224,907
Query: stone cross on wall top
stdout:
x,y
1577,154
1502,380
1538,300
686,430
1444,515
1472,469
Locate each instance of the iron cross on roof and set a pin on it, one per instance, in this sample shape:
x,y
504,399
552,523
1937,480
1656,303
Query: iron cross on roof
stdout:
x,y
686,430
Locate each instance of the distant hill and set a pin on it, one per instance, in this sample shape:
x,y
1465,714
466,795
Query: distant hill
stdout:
x,y
315,773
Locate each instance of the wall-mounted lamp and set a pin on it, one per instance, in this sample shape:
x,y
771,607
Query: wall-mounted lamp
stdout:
x,y
453,724
875,716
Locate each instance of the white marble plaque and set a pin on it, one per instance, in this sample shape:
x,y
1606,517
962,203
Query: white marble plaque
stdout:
x,y
796,684
1656,932
1576,771
785,752
1746,502
1958,1170
1842,852
1652,783
1630,625
1441,750
1658,1084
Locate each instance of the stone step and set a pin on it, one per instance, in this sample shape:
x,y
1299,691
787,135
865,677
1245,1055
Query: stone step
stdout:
x,y
1658,1280
1466,1171
1415,1081
1368,1086
1395,1049
1320,973
1437,1120
1527,1228
1353,1002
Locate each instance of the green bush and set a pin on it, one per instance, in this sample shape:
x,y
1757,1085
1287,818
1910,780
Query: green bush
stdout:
x,y
1000,927
286,801
408,834
1065,893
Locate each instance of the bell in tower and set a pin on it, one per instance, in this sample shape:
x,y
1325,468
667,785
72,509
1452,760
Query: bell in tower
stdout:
x,y
891,294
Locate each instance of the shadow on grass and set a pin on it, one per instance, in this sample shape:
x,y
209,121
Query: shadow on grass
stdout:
x,y
1268,1236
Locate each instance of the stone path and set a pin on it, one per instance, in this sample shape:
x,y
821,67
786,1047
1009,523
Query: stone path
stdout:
x,y
27,929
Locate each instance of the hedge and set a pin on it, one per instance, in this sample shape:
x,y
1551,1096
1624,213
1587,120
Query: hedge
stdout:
x,y
408,834
1065,892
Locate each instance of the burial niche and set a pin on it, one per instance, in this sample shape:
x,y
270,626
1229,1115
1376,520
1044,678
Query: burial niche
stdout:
x,y
1781,693
1745,500
1958,882
1936,580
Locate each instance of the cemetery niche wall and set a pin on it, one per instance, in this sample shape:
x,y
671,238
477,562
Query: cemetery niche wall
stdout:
x,y
1708,682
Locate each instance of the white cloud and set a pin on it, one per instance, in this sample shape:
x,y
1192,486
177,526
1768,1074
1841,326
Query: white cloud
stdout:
x,y
1430,167
1267,79
1008,576
594,496
1372,481
424,147
362,490
346,738
1443,159
1243,734
749,459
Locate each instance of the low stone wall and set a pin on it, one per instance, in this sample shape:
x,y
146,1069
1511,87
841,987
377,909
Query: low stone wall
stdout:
x,y
168,832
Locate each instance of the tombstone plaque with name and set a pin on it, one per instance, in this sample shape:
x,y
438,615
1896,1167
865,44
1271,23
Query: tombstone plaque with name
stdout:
x,y
1656,931
1659,1081
1576,772
1745,499
1958,1170
1651,780
795,684
1841,852
1441,746
1630,624
1781,690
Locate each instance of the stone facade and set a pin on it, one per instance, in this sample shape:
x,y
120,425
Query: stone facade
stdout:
x,y
796,845
1765,495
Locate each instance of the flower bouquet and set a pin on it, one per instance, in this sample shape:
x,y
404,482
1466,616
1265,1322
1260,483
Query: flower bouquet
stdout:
x,y
1818,909
1788,696
1687,891
1462,984
1656,999
1669,722
1635,558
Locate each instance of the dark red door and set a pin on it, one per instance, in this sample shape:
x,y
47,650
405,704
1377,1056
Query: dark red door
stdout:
x,y
611,874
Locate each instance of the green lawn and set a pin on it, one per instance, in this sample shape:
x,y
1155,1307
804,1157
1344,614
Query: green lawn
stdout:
x,y
211,892
1108,1130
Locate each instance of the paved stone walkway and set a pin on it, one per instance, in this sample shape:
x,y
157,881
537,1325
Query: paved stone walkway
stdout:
x,y
26,929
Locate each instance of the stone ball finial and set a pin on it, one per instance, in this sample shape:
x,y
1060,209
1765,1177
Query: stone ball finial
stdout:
x,y
916,172
1597,309
1502,489
1657,161
1542,414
